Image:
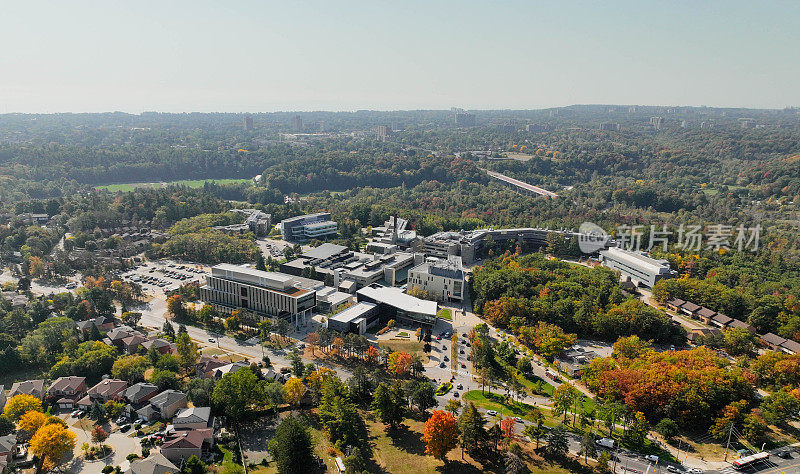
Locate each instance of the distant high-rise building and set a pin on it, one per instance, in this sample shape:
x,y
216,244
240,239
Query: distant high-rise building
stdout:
x,y
609,126
247,123
657,122
632,109
463,119
535,128
684,124
747,123
383,132
298,123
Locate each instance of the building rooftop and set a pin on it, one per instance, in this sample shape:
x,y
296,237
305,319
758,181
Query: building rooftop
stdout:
x,y
272,280
395,297
352,313
325,251
637,259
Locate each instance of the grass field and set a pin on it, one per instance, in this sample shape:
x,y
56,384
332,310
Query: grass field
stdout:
x,y
444,313
192,183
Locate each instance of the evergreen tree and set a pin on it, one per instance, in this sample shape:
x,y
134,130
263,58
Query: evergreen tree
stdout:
x,y
291,447
389,404
470,424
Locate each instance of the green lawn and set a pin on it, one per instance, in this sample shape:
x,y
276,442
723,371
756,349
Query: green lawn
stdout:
x,y
444,313
192,183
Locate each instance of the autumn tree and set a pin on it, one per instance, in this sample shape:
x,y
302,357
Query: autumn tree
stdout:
x,y
238,393
130,368
440,434
50,443
563,399
187,351
400,362
176,307
453,406
294,391
32,420
99,435
548,339
18,405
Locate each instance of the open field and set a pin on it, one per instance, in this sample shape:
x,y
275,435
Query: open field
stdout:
x,y
192,183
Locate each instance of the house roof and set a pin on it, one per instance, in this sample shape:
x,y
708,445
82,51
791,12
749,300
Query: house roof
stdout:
x,y
138,391
147,411
192,415
155,464
208,363
691,307
184,440
773,339
722,319
120,332
108,388
157,343
677,302
67,383
230,368
736,323
134,340
705,312
7,443
167,397
791,346
29,387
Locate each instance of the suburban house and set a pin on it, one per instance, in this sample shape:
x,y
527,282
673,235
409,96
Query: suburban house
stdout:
x,y
735,323
573,361
773,341
184,444
790,347
125,339
154,464
220,372
140,393
695,333
102,324
721,320
105,390
689,309
163,406
206,366
8,444
65,391
28,387
704,314
674,304
193,418
161,345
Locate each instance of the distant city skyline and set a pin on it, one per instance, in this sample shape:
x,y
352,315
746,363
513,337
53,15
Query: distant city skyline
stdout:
x,y
261,56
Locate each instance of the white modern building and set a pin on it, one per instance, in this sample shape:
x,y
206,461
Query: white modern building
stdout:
x,y
442,279
641,269
230,287
355,319
308,227
394,304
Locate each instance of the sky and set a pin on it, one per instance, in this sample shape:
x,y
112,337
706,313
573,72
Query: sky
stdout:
x,y
288,55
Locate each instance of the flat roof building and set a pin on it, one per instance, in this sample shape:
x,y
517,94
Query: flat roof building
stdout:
x,y
230,287
443,280
355,319
394,304
308,227
640,268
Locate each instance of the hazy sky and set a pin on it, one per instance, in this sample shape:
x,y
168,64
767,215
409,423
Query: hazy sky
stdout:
x,y
229,55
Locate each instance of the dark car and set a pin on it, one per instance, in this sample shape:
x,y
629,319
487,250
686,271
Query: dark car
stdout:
x,y
125,427
785,454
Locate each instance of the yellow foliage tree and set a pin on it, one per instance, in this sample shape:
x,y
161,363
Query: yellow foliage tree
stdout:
x,y
18,405
32,421
294,391
51,442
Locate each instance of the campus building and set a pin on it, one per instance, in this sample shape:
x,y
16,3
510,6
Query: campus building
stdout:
x,y
394,304
355,319
637,266
308,227
442,279
230,287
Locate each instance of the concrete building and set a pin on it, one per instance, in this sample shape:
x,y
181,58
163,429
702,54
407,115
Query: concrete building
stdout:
x,y
308,227
297,123
383,132
657,122
356,319
464,119
230,287
394,232
640,268
257,222
444,280
394,304
247,123
609,126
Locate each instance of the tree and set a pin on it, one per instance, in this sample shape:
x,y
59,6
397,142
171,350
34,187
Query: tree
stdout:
x,y
755,428
50,443
637,431
563,399
168,330
193,465
274,393
739,341
176,308
453,406
630,347
187,351
18,405
389,405
294,390
354,463
514,464
261,264
165,379
472,432
780,408
131,318
557,443
130,368
99,435
549,339
6,425
588,447
400,362
732,414
524,365
537,428
97,412
32,421
291,447
423,395
440,434
237,393
667,428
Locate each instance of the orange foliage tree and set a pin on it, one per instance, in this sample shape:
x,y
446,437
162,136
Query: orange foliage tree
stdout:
x,y
400,362
440,434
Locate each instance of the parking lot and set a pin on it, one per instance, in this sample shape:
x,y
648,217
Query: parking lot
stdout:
x,y
165,275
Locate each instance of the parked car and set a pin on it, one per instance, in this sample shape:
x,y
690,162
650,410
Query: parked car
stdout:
x,y
652,458
491,413
460,387
605,442
784,454
463,365
125,427
518,419
212,340
442,365
673,469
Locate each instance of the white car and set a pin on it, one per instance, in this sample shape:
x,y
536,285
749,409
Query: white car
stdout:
x,y
694,470
652,458
212,340
491,413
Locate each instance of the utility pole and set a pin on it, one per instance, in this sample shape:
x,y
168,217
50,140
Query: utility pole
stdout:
x,y
728,444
